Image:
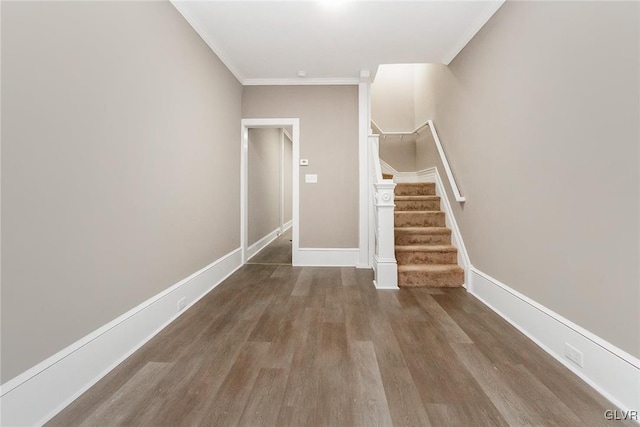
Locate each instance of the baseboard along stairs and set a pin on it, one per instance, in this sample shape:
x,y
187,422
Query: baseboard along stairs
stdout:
x,y
423,247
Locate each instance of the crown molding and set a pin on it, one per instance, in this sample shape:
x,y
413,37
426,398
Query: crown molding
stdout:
x,y
492,8
208,40
302,82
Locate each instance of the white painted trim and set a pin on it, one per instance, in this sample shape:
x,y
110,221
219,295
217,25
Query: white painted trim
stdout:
x,y
413,132
328,257
208,40
295,197
302,82
425,175
385,273
38,394
609,370
282,190
287,225
287,134
363,174
483,18
262,243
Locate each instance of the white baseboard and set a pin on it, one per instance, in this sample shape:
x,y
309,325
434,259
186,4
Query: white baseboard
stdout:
x,y
38,394
326,257
287,225
609,370
262,243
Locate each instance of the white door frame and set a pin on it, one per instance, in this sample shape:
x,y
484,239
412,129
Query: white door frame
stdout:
x,y
244,178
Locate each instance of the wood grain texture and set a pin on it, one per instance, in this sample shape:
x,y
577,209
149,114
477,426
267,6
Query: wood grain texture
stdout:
x,y
276,345
277,252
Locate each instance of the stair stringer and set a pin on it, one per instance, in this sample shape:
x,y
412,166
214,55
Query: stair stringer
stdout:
x,y
432,175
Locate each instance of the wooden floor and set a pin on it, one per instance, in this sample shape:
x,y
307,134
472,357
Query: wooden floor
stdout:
x,y
278,252
276,345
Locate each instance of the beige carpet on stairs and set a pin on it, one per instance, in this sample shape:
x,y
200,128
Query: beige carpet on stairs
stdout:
x,y
424,252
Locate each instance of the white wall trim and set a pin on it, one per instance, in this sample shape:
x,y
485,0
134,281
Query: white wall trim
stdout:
x,y
262,243
425,175
328,257
287,225
364,204
35,396
609,370
208,40
298,81
483,18
244,179
281,180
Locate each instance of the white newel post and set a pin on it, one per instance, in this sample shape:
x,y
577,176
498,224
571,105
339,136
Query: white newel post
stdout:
x,y
385,260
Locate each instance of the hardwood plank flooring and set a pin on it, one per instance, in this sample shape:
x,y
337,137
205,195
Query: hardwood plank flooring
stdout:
x,y
277,252
276,345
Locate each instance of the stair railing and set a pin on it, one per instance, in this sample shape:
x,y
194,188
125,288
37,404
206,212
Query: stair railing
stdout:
x,y
443,156
382,196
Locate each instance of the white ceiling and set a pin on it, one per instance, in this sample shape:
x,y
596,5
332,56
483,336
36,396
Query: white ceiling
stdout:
x,y
268,42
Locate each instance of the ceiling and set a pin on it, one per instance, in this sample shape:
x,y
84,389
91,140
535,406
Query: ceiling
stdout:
x,y
269,42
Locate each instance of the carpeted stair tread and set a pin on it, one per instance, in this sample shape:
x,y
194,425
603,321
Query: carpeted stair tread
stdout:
x,y
433,275
426,248
429,267
419,219
407,236
422,230
417,184
424,254
387,176
430,197
415,189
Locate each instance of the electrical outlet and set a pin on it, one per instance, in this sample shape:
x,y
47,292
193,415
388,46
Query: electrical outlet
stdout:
x,y
574,354
182,303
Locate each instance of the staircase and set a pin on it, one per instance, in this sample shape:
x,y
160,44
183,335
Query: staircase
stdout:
x,y
423,247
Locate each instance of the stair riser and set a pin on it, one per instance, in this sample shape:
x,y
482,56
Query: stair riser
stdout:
x,y
419,219
414,279
421,257
417,205
423,239
428,189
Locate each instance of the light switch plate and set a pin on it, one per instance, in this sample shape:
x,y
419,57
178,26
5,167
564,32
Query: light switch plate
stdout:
x,y
311,178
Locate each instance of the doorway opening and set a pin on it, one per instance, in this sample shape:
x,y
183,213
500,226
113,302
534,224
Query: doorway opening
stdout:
x,y
269,194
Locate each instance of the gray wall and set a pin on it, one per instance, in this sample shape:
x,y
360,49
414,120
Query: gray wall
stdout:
x,y
329,139
393,98
400,153
120,145
539,116
395,108
263,201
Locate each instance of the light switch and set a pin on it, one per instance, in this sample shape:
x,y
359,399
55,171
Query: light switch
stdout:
x,y
304,162
311,178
